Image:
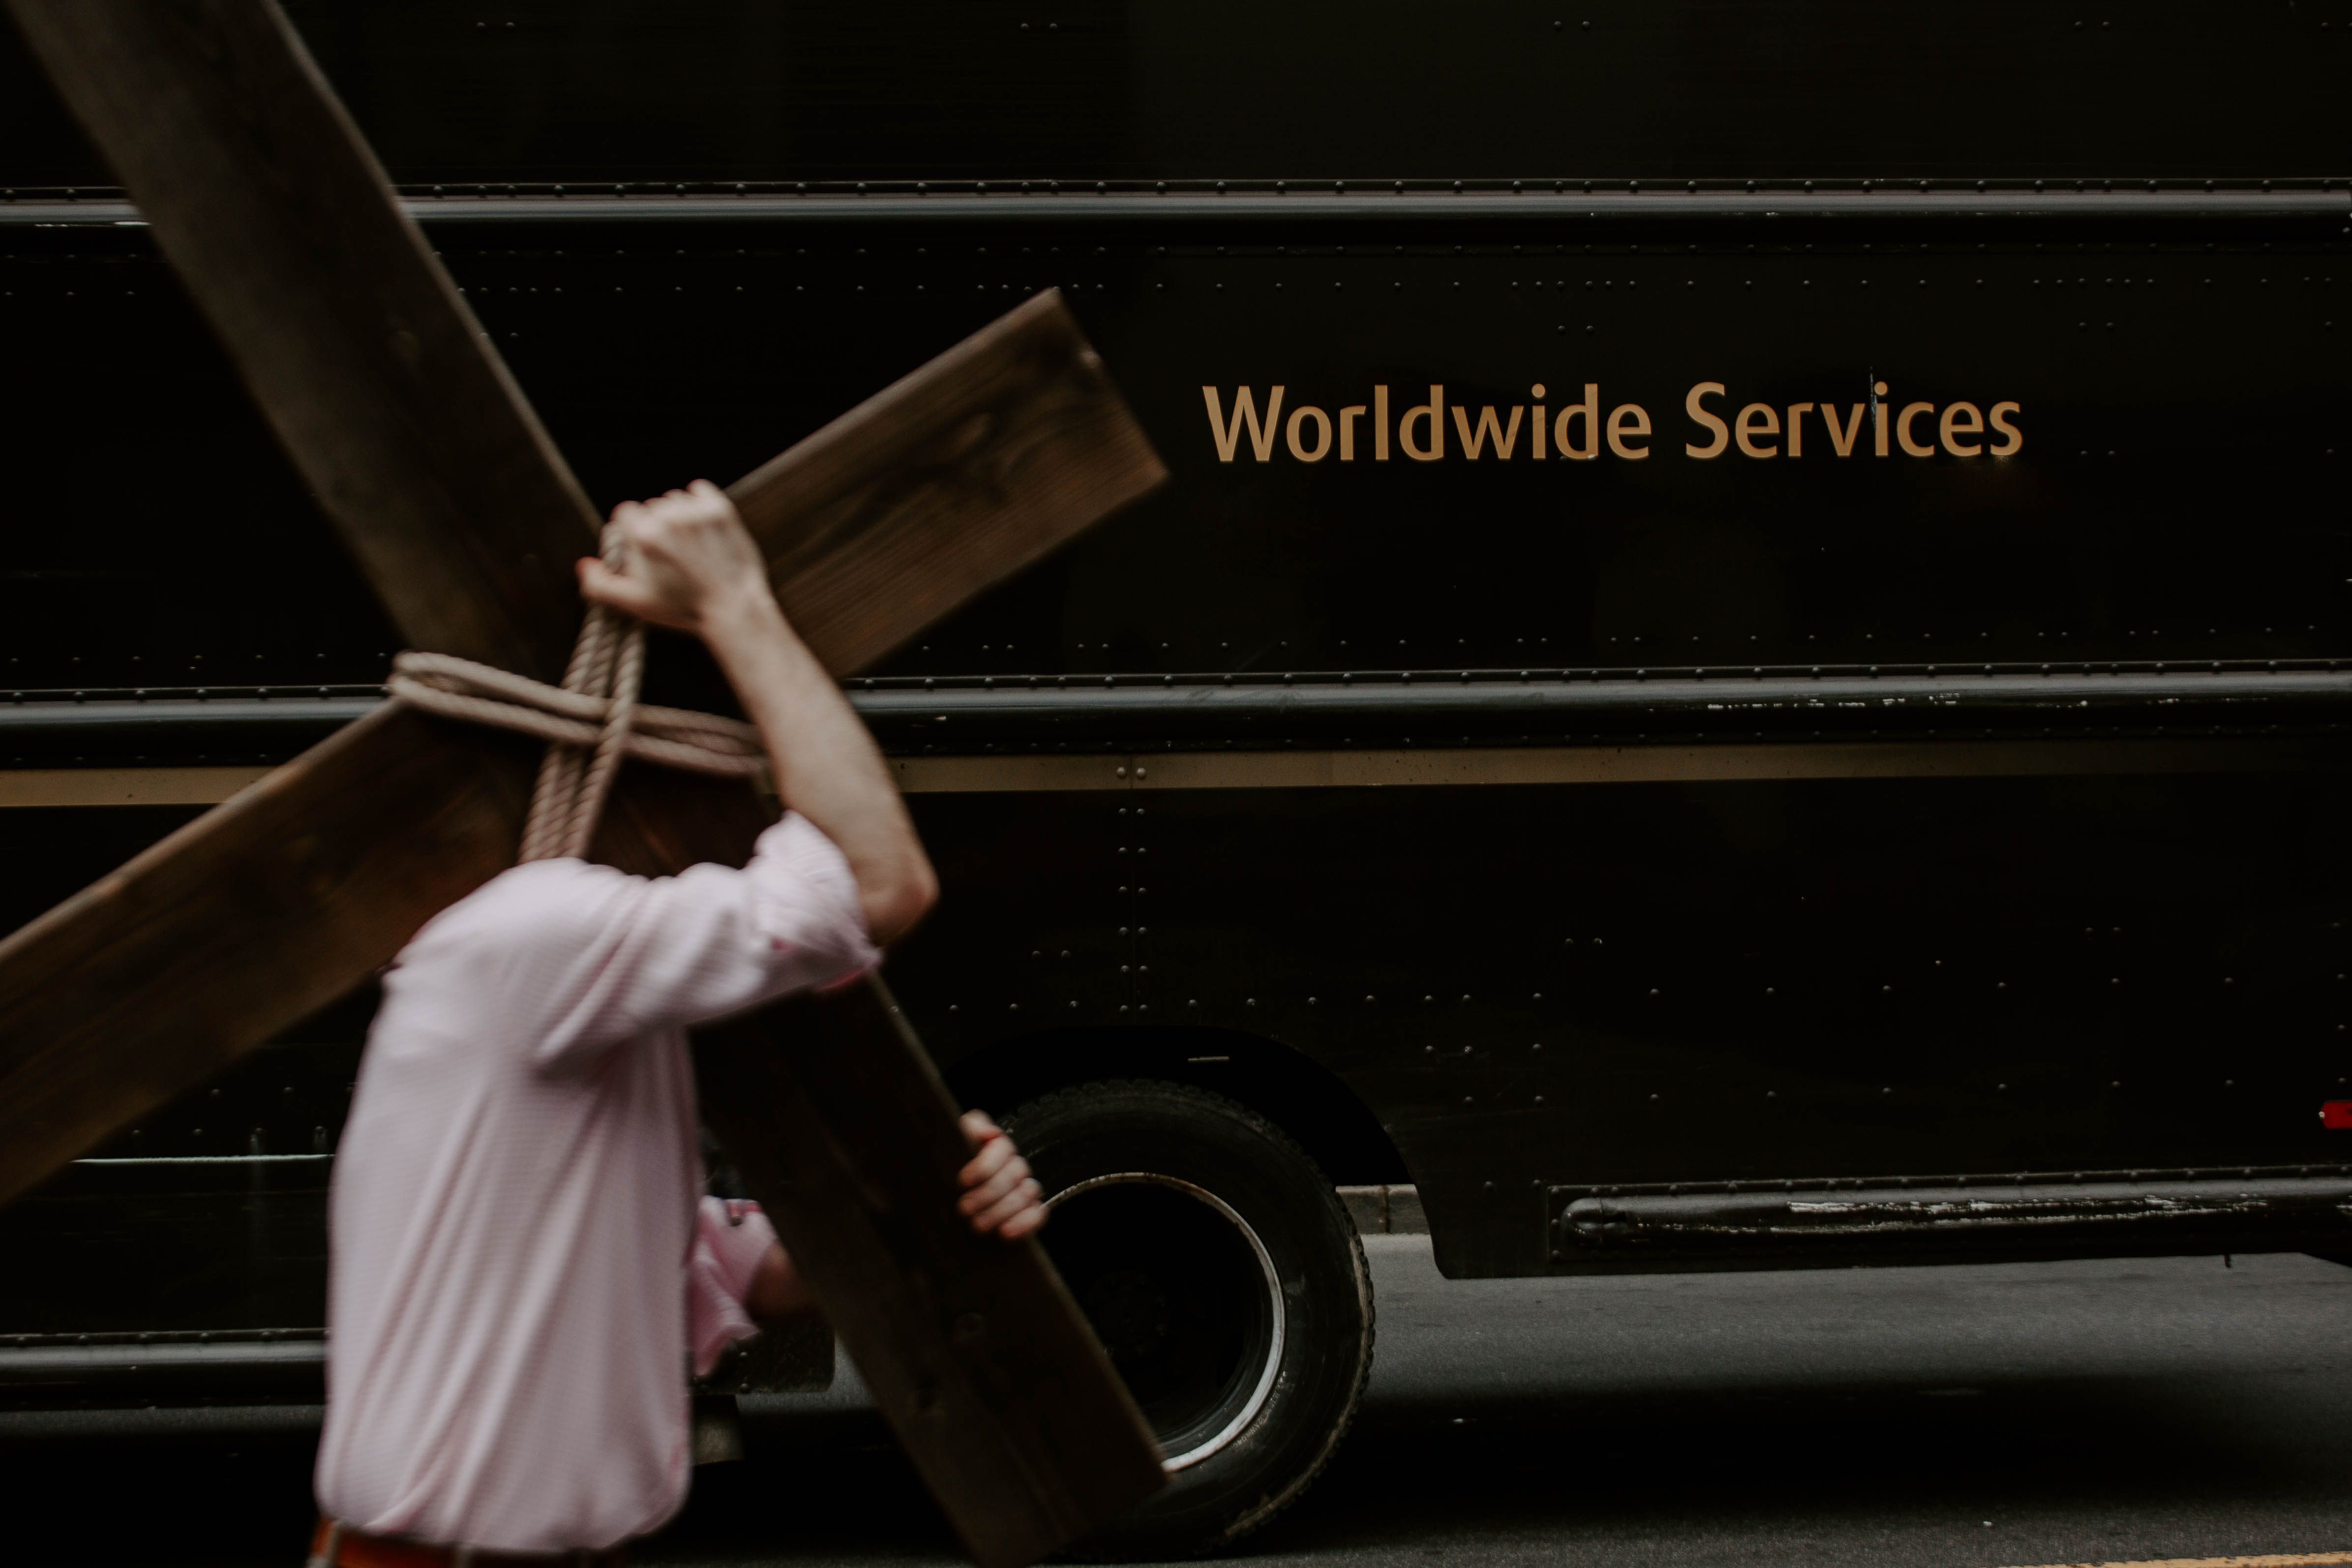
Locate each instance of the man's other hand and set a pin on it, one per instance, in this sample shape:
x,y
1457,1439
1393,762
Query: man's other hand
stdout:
x,y
684,558
999,1193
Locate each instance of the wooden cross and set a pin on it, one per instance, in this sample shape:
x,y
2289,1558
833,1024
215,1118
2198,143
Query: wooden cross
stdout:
x,y
398,413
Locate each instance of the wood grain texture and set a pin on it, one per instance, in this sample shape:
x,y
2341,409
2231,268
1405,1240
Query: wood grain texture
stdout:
x,y
967,1344
391,401
831,1112
836,1119
246,920
274,904
946,482
278,902
271,906
375,376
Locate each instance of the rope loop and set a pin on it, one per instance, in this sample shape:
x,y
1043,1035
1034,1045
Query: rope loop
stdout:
x,y
590,723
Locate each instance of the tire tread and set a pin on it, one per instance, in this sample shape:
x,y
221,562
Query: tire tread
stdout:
x,y
1257,1517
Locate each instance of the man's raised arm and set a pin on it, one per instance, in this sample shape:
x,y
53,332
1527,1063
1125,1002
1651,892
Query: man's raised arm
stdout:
x,y
688,564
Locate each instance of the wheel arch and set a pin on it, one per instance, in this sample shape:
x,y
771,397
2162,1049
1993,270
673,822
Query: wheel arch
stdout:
x,y
1298,1094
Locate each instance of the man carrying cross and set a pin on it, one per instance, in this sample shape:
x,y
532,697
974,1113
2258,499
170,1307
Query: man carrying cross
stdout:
x,y
519,1260
255,185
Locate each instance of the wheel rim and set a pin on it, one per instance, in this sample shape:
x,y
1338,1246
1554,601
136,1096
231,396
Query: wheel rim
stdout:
x,y
1185,1298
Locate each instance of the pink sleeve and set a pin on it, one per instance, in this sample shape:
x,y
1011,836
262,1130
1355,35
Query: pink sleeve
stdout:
x,y
574,959
594,957
729,1240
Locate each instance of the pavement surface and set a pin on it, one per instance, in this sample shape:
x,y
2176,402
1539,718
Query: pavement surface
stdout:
x,y
1976,1417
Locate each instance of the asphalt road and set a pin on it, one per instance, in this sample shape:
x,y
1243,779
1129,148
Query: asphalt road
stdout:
x,y
1978,1417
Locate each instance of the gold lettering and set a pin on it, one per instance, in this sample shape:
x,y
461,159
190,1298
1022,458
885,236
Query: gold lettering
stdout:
x,y
1797,428
1843,439
1475,442
1628,419
1761,430
1299,416
1434,411
1227,433
1590,410
1949,426
1999,416
1699,415
1912,411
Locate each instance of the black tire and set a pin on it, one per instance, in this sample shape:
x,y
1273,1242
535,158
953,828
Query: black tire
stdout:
x,y
1173,1207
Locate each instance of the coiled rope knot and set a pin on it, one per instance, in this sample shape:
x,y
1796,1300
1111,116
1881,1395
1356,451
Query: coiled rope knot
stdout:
x,y
590,723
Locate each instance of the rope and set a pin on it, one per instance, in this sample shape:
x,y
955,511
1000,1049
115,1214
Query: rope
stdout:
x,y
590,723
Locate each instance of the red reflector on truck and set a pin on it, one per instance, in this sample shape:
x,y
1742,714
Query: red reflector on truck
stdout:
x,y
2336,1114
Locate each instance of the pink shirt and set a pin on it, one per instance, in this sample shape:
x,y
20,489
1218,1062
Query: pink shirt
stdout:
x,y
514,1212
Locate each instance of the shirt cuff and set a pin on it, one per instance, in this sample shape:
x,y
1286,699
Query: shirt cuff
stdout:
x,y
731,1238
809,903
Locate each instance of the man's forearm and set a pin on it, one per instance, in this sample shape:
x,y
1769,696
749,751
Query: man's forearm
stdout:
x,y
687,562
826,765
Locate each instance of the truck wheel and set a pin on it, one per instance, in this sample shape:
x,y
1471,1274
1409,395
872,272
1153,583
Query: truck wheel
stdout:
x,y
1226,1282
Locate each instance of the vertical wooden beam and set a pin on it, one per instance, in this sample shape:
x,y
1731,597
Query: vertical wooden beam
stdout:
x,y
361,353
833,1113
383,388
970,1347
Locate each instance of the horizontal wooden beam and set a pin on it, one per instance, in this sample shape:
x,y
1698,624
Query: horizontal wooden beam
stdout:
x,y
402,420
946,483
270,906
412,432
247,920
